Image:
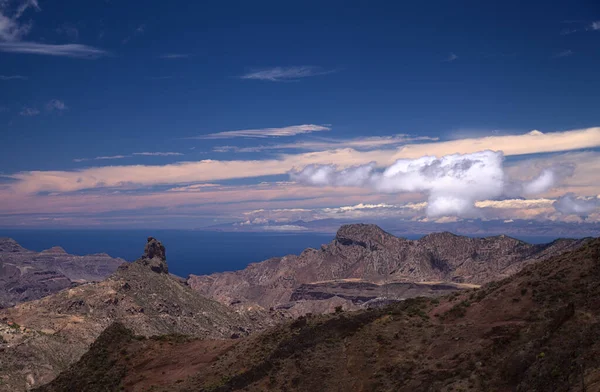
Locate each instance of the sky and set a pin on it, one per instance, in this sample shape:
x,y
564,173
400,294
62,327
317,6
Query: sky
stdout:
x,y
261,115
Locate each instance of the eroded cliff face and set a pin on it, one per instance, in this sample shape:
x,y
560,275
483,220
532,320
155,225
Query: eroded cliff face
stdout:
x,y
41,338
26,275
362,253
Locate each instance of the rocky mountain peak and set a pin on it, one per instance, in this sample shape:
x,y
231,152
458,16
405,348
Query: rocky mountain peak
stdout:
x,y
10,245
360,234
154,256
55,250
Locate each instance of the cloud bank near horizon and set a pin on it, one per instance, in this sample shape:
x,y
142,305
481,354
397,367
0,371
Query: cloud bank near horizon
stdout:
x,y
459,182
453,183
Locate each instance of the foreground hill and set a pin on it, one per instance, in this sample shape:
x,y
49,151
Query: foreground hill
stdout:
x,y
39,339
26,275
364,262
538,330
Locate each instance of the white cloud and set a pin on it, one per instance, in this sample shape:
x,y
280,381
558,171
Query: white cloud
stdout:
x,y
266,132
29,112
595,25
571,204
149,154
67,50
453,183
158,154
102,158
12,77
12,32
25,5
361,143
284,74
56,104
216,170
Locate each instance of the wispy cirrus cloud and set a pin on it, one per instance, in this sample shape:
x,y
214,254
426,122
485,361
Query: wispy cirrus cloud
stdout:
x,y
12,77
13,31
266,132
286,74
212,170
101,158
158,154
583,26
175,56
145,153
362,143
66,50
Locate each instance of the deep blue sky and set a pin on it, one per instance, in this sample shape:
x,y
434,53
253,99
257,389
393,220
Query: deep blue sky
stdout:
x,y
388,60
119,113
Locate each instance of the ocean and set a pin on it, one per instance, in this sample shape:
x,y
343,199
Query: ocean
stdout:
x,y
188,251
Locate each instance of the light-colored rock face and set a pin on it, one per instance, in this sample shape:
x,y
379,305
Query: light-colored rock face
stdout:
x,y
27,275
56,330
366,253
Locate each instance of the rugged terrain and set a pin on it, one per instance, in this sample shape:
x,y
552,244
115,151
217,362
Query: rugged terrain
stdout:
x,y
363,262
26,275
39,339
538,330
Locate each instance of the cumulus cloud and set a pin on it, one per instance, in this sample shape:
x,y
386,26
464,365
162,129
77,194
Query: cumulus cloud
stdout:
x,y
266,132
286,74
453,183
570,204
218,170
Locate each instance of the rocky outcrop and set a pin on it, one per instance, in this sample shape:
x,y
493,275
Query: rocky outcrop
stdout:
x,y
26,275
366,253
154,256
56,330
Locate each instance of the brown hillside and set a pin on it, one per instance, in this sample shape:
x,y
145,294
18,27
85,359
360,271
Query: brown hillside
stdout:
x,y
536,331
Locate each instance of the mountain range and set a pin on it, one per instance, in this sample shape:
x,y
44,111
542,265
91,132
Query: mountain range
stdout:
x,y
415,304
26,275
538,330
364,262
42,337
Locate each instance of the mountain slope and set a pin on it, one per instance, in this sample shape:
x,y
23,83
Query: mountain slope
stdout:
x,y
365,253
536,331
26,275
48,334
